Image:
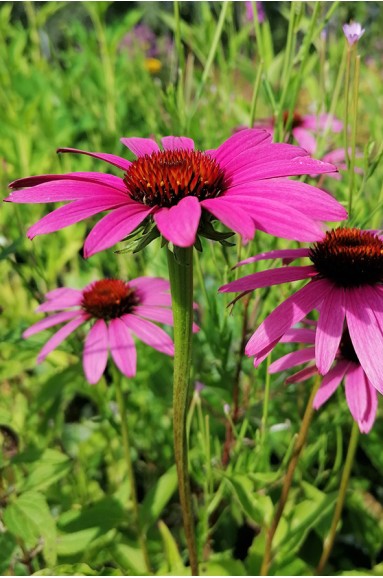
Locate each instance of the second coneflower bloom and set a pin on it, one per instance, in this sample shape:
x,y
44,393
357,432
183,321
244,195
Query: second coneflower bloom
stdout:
x,y
115,310
179,188
345,284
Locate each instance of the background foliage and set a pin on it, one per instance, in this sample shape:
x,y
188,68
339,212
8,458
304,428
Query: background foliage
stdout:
x,y
70,77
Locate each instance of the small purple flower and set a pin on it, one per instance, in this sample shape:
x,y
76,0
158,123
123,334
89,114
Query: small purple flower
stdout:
x,y
353,32
198,387
250,11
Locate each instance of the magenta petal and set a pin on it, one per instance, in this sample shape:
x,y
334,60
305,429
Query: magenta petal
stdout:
x,y
70,214
287,314
63,292
150,334
111,159
366,333
59,337
290,254
330,383
122,347
371,409
305,139
103,178
233,216
95,354
160,314
179,224
141,146
329,329
171,143
302,375
114,227
291,359
268,278
61,298
238,143
356,393
50,322
149,285
257,157
68,190
299,335
272,169
321,122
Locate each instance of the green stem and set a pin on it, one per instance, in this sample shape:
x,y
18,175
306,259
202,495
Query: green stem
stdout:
x,y
129,466
180,265
353,133
299,443
329,541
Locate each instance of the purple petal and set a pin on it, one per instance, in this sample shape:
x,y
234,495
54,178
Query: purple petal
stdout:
x,y
291,359
257,157
287,314
238,143
150,284
114,227
179,224
111,159
232,216
171,143
95,354
359,399
372,406
305,139
141,146
299,335
330,383
291,254
70,214
68,190
61,298
150,334
322,121
366,333
329,329
50,322
122,347
269,278
274,168
103,178
63,292
302,375
160,314
58,337
294,194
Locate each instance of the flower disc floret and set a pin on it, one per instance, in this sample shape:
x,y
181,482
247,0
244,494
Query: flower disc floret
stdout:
x,y
163,178
109,299
349,257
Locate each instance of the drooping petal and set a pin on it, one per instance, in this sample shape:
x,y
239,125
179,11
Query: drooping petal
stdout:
x,y
114,227
330,383
95,354
287,314
70,214
302,375
171,143
61,298
258,156
322,121
305,139
269,278
232,216
366,334
59,337
290,254
291,359
294,194
50,322
299,335
179,224
160,314
63,292
239,142
151,284
68,190
372,406
275,168
141,146
329,329
149,333
359,399
122,347
111,159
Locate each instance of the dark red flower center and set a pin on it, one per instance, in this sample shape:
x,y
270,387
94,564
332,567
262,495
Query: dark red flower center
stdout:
x,y
346,348
109,298
296,120
163,178
349,257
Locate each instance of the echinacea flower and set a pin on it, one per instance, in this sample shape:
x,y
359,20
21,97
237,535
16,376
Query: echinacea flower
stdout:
x,y
353,32
116,309
181,188
361,396
345,283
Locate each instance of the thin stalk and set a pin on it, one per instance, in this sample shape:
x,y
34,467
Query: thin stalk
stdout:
x,y
180,52
129,466
353,133
346,103
266,399
329,541
257,84
299,443
180,266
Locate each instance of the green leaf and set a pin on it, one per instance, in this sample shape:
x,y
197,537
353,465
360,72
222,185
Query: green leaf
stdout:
x,y
8,549
29,519
258,507
157,498
51,467
68,570
129,557
172,555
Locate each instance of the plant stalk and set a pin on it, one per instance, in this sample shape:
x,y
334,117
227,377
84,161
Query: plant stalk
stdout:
x,y
329,541
180,265
299,443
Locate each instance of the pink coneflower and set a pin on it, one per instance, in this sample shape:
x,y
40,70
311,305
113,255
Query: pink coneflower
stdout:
x,y
304,127
116,309
361,396
181,188
353,32
346,275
